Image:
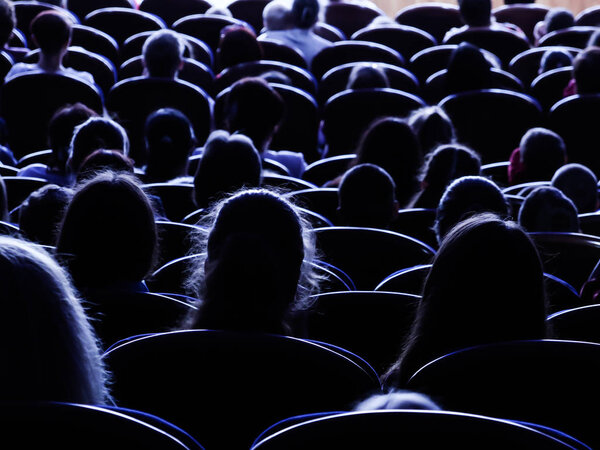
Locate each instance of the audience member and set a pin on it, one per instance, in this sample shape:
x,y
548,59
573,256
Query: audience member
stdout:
x,y
468,69
277,16
8,22
580,185
442,166
467,196
238,44
366,197
555,59
162,54
49,350
367,76
397,399
432,126
485,286
586,73
51,32
546,209
229,163
257,267
556,19
103,160
3,202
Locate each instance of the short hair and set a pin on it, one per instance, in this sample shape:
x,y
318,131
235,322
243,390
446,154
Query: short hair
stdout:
x,y
61,127
228,163
103,160
554,59
542,153
219,10
468,69
305,13
558,19
546,209
586,71
51,30
94,134
277,15
162,53
579,184
8,21
432,126
475,13
367,75
238,44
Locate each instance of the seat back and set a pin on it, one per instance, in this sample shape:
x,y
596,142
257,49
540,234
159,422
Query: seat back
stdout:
x,y
326,169
249,11
175,240
19,188
82,8
120,23
526,65
175,9
417,223
95,41
323,201
588,17
25,12
405,39
576,36
577,324
274,50
525,16
436,18
349,17
548,87
207,28
177,199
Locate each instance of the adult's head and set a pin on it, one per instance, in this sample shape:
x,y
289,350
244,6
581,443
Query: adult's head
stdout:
x,y
467,196
305,13
94,134
49,348
542,153
103,160
42,212
432,126
586,71
367,75
254,108
108,234
555,59
548,209
238,44
8,21
475,13
558,19
51,32
277,16
170,140
229,163
366,197
485,286
468,69
579,184
163,54
257,264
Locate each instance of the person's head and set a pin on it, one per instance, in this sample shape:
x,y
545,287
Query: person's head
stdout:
x,y
579,184
219,10
51,32
163,54
367,75
558,19
486,285
257,266
108,234
254,108
397,399
49,349
468,69
8,21
475,13
542,153
94,134
3,201
555,59
238,44
465,197
366,197
42,212
277,15
61,127
305,13
594,40
170,140
103,160
586,71
548,209
432,126
228,163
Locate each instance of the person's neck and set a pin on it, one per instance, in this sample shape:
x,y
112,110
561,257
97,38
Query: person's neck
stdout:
x,y
50,63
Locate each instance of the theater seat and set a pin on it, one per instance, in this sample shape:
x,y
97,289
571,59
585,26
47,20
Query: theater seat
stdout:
x,y
120,23
175,9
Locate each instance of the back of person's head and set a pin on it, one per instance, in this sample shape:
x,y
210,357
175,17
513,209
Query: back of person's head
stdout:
x,y
103,160
305,13
94,134
397,399
366,76
254,108
42,212
586,71
558,19
366,197
228,163
475,13
51,31
238,44
468,69
277,15
49,349
432,126
8,21
390,143
546,209
258,263
465,197
108,233
594,40
579,184
3,201
555,59
542,153
170,141
163,54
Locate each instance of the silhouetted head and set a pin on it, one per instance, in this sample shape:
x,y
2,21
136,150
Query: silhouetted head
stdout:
x,y
170,140
47,341
586,70
108,233
465,197
163,54
546,209
238,44
305,13
468,69
51,31
229,163
258,251
397,399
366,197
3,201
367,76
558,19
579,184
475,13
542,153
254,108
432,126
42,212
8,21
103,160
94,134
555,59
277,15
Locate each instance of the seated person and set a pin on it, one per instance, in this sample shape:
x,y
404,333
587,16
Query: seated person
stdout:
x,y
555,59
277,16
8,22
366,198
546,209
367,76
237,45
162,54
556,19
432,126
51,32
586,73
580,185
468,69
